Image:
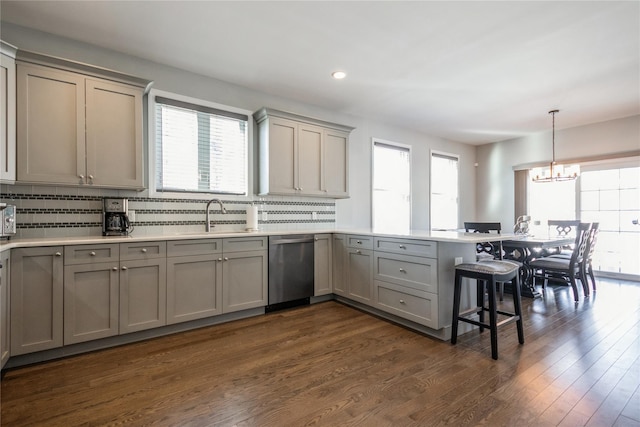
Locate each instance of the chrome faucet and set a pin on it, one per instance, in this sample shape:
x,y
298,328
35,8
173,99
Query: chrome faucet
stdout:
x,y
207,225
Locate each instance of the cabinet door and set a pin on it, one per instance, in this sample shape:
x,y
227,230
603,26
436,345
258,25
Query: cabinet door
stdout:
x,y
51,126
322,271
7,119
310,160
36,299
335,163
114,134
5,323
90,302
194,287
283,165
360,275
245,278
339,261
143,295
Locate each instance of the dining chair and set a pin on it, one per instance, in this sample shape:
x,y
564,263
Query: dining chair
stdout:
x,y
487,251
570,269
562,228
587,262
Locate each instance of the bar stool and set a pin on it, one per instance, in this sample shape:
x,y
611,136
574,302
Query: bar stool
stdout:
x,y
487,274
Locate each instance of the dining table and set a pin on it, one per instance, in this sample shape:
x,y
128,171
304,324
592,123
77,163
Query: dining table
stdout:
x,y
526,248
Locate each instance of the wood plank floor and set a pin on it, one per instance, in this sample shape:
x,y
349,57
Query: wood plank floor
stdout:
x,y
332,365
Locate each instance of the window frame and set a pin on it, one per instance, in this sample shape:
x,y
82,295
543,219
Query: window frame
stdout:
x,y
406,147
443,154
151,157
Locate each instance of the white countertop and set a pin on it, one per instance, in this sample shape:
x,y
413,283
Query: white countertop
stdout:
x,y
438,236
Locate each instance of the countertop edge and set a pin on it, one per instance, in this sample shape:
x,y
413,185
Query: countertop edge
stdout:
x,y
437,236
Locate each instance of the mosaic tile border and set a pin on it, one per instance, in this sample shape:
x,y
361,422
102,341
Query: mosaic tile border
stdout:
x,y
40,214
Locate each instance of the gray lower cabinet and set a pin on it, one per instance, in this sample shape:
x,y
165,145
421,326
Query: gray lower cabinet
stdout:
x,y
194,287
143,286
339,261
359,277
244,280
90,301
213,276
245,273
406,279
5,322
322,266
36,299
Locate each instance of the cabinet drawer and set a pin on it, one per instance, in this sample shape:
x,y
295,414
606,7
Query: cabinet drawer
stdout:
x,y
194,247
360,242
86,254
243,244
407,247
143,250
417,306
415,272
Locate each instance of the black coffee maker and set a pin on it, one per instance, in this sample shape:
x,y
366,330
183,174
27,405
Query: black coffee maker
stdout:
x,y
115,221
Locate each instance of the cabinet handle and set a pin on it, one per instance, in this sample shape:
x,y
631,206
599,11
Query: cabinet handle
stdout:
x,y
58,254
115,268
316,239
402,247
91,177
92,253
124,268
358,251
358,242
220,259
143,250
81,176
226,259
401,301
402,270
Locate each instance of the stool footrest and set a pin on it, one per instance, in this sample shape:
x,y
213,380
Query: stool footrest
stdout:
x,y
511,319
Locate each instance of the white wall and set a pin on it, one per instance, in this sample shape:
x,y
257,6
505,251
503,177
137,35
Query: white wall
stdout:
x,y
353,212
496,162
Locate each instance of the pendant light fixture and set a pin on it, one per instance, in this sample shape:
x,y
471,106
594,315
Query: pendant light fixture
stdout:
x,y
555,172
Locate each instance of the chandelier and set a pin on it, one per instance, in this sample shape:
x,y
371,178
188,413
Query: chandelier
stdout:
x,y
555,172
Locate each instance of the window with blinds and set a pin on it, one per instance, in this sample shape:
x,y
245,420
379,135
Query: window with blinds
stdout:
x,y
391,187
200,149
444,191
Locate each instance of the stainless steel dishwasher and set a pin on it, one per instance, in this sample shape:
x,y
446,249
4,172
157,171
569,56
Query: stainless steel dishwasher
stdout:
x,y
290,270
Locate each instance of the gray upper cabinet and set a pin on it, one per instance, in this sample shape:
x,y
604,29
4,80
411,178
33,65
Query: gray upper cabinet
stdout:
x,y
302,156
7,113
77,129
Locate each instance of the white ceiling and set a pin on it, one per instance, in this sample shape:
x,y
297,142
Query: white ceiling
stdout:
x,y
473,72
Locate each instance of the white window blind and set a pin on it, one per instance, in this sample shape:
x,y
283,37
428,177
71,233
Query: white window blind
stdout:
x,y
200,149
444,191
391,187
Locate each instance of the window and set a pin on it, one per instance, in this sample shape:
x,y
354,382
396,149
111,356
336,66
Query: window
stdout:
x,y
200,148
391,186
551,200
610,195
444,191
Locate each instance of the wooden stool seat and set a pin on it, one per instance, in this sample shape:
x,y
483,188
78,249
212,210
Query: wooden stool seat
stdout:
x,y
487,274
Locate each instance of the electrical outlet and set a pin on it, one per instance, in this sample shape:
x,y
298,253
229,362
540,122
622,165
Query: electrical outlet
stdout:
x,y
458,260
264,215
314,215
132,215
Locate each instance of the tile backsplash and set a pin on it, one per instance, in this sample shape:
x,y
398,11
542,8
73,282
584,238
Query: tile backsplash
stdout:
x,y
66,211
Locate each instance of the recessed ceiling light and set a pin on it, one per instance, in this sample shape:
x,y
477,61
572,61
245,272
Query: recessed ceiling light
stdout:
x,y
338,75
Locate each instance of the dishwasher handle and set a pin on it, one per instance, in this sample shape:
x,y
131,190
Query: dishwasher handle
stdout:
x,y
286,241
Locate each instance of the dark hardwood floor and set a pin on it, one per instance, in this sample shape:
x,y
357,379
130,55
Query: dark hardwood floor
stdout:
x,y
332,365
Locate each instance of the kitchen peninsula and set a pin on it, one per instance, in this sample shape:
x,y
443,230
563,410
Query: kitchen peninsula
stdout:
x,y
161,284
